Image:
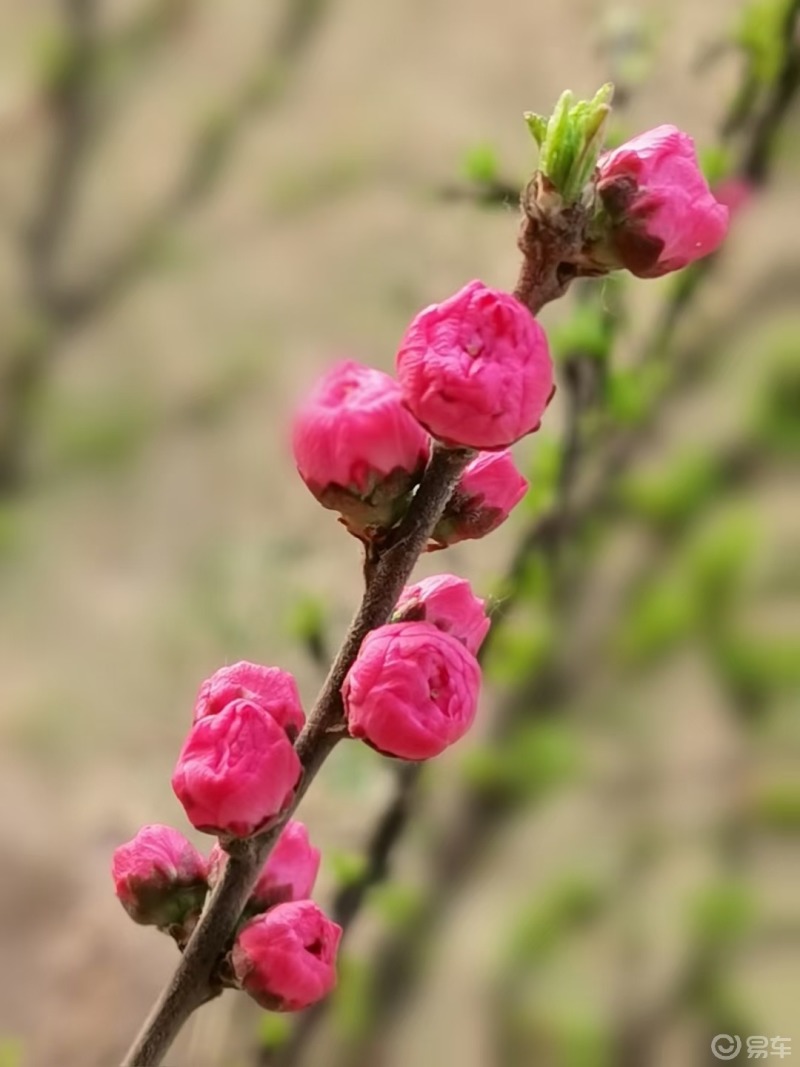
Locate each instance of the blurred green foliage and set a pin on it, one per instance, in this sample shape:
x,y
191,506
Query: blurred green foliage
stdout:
x,y
533,760
777,803
481,164
557,912
760,34
670,497
352,1005
274,1030
722,914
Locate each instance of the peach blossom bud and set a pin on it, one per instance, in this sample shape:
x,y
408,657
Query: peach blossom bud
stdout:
x,y
475,370
449,604
488,490
357,448
286,958
412,691
237,771
160,878
271,688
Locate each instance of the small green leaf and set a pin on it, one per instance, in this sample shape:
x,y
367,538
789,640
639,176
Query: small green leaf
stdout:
x,y
777,805
347,867
557,911
663,614
519,650
274,1031
722,914
398,904
537,124
353,1000
670,497
481,165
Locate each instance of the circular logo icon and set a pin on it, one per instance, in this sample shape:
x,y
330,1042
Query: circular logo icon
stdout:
x,y
726,1046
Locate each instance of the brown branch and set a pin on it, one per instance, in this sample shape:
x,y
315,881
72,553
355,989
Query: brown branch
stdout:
x,y
386,833
194,982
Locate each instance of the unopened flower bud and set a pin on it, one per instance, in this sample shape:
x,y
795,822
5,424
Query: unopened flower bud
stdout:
x,y
160,878
488,490
412,690
286,958
237,771
358,449
271,688
475,370
657,213
448,603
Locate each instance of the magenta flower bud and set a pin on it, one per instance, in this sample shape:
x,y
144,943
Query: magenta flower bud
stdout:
x,y
160,878
357,448
237,771
661,213
488,490
289,873
272,689
286,958
412,691
448,603
475,370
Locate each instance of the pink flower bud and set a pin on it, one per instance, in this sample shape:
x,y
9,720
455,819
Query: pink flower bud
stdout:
x,y
237,771
288,874
488,490
286,958
357,448
475,370
272,689
661,213
412,690
448,603
160,878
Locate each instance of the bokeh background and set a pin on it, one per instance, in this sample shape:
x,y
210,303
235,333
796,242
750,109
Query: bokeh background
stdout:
x,y
202,205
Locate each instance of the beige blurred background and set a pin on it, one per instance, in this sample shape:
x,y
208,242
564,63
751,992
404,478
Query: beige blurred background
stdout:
x,y
252,190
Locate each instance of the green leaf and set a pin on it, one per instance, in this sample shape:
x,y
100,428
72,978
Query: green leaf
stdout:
x,y
398,904
536,759
670,497
347,867
481,165
537,124
571,140
274,1031
760,35
543,475
722,914
306,620
519,650
352,1001
777,805
587,332
758,667
557,912
663,614
718,556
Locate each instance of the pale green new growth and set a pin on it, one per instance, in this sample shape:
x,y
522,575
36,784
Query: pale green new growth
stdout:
x,y
571,140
